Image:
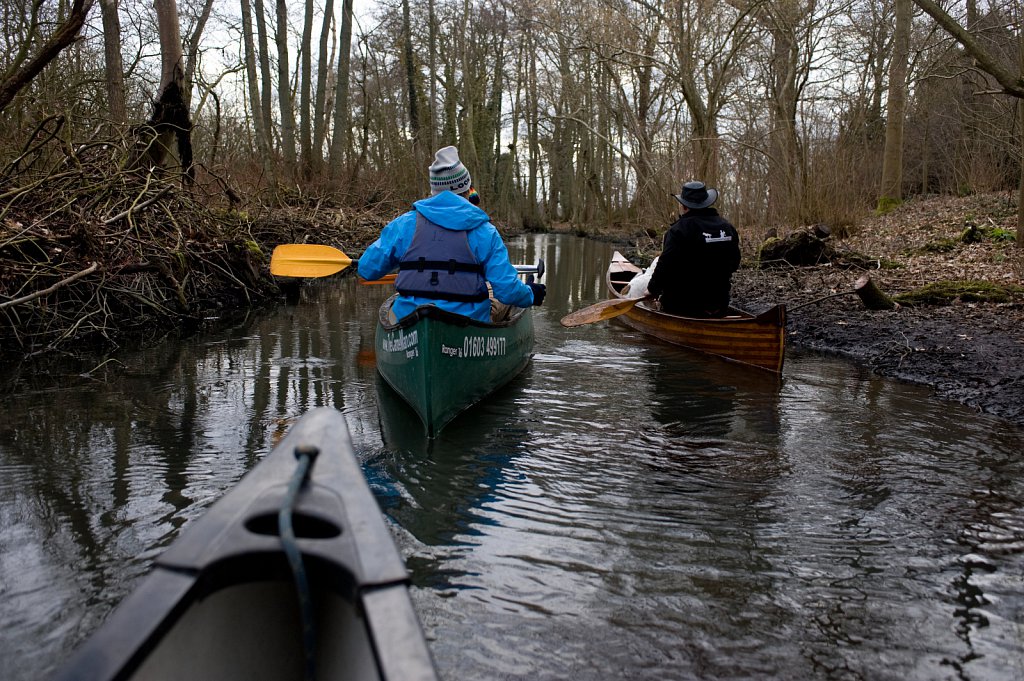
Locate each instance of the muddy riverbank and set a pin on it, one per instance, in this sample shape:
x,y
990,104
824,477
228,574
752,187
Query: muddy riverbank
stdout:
x,y
968,350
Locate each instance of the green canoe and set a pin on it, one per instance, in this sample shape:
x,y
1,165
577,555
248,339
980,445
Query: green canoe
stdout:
x,y
443,363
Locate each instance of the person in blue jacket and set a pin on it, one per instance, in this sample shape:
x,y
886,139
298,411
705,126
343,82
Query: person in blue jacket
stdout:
x,y
447,251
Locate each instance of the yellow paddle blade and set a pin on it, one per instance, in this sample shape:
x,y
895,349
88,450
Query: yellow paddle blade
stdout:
x,y
307,260
606,309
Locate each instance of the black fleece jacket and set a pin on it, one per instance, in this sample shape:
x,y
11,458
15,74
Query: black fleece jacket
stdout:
x,y
694,272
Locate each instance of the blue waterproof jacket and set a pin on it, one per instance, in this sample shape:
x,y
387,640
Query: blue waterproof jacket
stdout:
x,y
450,211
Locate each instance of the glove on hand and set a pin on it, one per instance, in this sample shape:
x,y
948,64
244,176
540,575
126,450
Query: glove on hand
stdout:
x,y
539,291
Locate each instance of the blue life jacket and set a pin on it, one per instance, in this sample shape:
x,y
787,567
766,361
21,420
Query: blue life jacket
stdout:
x,y
439,264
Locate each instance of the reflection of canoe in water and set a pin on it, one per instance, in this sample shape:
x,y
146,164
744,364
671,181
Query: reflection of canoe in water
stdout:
x,y
443,363
757,340
223,602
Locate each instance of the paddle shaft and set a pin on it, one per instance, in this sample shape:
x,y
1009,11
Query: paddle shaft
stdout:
x,y
521,269
317,260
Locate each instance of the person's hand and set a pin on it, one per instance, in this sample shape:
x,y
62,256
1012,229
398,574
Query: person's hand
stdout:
x,y
539,291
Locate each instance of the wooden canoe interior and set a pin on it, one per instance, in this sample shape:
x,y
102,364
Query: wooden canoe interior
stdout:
x,y
249,631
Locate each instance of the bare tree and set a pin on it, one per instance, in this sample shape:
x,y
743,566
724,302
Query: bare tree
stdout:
x,y
267,88
320,106
114,69
340,136
284,93
253,88
169,128
305,91
194,41
1012,84
892,158
412,82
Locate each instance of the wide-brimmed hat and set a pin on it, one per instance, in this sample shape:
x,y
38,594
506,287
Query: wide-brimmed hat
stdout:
x,y
696,195
448,173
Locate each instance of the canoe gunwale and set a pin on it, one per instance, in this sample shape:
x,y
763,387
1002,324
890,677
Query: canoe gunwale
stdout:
x,y
434,312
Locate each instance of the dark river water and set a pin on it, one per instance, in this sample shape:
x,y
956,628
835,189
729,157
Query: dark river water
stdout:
x,y
623,509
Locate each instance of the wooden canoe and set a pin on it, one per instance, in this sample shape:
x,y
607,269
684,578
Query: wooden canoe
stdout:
x,y
223,601
755,340
443,363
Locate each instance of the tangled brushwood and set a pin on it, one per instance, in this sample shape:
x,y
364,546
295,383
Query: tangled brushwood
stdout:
x,y
96,248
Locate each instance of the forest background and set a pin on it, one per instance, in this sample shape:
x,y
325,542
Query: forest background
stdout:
x,y
150,155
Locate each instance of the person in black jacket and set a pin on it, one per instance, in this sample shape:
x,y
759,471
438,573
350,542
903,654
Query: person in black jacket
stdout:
x,y
693,277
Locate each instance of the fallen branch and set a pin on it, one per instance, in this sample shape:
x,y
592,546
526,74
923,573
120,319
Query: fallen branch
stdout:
x,y
869,293
46,291
137,207
818,300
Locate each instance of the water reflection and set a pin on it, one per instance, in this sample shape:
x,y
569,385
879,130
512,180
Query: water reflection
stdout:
x,y
622,508
437,489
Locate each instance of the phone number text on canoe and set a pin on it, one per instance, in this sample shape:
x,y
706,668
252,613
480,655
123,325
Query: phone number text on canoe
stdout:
x,y
472,346
477,346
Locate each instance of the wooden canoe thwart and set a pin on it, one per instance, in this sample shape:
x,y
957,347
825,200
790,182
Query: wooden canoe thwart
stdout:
x,y
442,363
755,340
223,602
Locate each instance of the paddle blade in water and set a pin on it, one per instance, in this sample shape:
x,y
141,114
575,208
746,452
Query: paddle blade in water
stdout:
x,y
307,260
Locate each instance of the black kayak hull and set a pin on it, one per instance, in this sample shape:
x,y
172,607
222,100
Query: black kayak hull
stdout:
x,y
221,602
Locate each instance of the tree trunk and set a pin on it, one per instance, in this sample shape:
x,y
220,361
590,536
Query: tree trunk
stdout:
x,y
432,20
170,121
701,115
873,297
284,93
784,160
113,67
320,110
305,91
192,62
467,140
340,135
267,88
410,80
252,81
892,157
532,132
1020,126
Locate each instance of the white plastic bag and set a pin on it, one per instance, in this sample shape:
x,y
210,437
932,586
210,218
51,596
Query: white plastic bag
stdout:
x,y
638,284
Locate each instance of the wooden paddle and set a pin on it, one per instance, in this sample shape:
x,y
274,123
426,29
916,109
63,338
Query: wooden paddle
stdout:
x,y
386,279
606,309
307,260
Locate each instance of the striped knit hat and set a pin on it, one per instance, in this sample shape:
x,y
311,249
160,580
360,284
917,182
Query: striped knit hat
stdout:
x,y
447,172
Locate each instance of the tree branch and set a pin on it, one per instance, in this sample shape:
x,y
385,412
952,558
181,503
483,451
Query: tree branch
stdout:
x,y
1012,84
65,34
46,291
